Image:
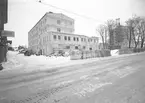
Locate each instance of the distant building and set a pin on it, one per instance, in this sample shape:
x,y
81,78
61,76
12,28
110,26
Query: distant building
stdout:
x,y
55,32
119,37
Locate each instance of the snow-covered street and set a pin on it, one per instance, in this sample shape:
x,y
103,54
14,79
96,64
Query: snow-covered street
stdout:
x,y
39,79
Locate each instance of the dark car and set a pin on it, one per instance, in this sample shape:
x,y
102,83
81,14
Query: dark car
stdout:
x,y
22,51
29,53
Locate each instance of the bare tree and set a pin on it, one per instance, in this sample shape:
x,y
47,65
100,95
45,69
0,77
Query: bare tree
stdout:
x,y
102,31
141,29
129,24
110,27
137,30
134,30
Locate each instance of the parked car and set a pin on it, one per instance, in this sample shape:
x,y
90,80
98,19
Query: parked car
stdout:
x,y
22,51
29,53
10,48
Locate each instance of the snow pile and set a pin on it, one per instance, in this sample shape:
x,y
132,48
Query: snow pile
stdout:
x,y
20,63
12,61
115,52
43,62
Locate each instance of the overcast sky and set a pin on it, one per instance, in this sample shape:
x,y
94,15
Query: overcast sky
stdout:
x,y
24,14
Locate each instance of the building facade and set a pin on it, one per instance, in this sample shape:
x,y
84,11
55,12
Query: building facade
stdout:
x,y
55,32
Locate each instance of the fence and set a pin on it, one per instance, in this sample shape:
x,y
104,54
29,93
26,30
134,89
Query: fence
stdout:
x,y
75,55
131,50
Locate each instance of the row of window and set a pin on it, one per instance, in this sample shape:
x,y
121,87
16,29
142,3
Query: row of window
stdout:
x,y
68,38
76,47
66,23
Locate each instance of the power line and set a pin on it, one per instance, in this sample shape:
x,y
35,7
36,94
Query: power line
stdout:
x,y
83,16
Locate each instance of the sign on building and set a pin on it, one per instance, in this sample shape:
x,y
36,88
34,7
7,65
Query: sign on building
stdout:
x,y
8,33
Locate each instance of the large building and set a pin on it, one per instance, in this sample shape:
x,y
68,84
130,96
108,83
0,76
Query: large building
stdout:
x,y
55,32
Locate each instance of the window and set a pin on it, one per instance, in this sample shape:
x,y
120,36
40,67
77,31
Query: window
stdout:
x,y
91,40
88,40
84,47
77,39
76,47
58,22
90,48
74,39
70,23
59,37
65,37
67,47
85,39
81,39
54,37
69,38
94,41
58,29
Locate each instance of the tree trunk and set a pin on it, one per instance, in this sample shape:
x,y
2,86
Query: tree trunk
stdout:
x,y
129,38
135,45
142,43
136,42
111,38
103,42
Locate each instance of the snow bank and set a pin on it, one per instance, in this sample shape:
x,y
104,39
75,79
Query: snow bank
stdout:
x,y
35,60
12,61
20,63
43,62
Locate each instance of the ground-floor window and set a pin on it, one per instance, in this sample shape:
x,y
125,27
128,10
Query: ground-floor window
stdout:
x,y
76,47
90,48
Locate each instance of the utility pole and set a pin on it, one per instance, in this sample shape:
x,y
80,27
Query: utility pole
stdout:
x,y
3,20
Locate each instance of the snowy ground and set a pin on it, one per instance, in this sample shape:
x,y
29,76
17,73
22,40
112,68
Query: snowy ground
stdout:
x,y
16,61
39,79
33,63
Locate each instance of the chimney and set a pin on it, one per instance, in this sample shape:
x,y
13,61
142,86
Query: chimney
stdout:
x,y
50,12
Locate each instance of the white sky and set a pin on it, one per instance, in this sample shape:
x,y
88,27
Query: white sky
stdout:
x,y
24,14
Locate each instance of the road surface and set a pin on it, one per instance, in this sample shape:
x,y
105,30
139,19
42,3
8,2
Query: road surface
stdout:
x,y
111,80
